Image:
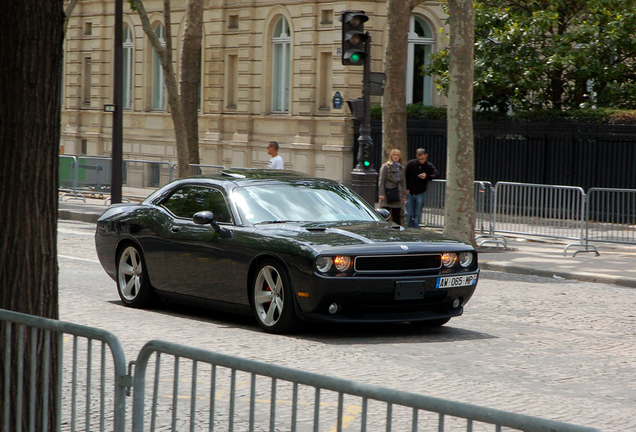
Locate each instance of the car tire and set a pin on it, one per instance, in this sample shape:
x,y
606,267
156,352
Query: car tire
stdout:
x,y
133,284
431,323
272,299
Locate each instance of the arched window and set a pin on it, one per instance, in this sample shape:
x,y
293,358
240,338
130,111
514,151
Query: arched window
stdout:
x,y
421,43
158,81
127,57
281,42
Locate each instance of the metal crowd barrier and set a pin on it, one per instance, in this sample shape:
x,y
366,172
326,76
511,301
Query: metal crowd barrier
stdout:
x,y
485,216
435,201
84,175
611,215
67,183
194,389
91,389
564,212
94,175
542,210
140,178
230,393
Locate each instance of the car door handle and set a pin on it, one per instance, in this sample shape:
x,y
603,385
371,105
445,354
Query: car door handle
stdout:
x,y
175,229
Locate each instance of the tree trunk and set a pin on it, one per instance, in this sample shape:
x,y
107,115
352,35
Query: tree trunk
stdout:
x,y
32,33
460,171
191,74
68,12
394,134
165,56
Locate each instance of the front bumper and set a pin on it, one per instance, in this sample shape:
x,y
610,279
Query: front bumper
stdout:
x,y
380,299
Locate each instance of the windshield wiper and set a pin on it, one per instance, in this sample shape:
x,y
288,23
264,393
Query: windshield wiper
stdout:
x,y
275,222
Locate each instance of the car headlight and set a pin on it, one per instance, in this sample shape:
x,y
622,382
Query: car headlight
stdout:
x,y
342,263
449,259
465,259
323,264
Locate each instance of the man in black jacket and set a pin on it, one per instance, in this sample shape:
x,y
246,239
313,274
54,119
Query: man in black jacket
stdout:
x,y
418,172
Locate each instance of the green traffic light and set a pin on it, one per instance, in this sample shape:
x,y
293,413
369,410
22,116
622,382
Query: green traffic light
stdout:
x,y
367,163
355,58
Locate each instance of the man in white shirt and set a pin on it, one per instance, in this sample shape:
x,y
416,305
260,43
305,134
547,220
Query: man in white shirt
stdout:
x,y
276,162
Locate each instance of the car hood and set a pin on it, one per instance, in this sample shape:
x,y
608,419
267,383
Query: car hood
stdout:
x,y
345,235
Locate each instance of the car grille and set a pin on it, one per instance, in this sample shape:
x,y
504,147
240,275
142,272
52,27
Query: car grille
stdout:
x,y
397,263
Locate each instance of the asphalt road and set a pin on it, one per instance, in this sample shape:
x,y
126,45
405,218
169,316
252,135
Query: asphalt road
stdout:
x,y
557,349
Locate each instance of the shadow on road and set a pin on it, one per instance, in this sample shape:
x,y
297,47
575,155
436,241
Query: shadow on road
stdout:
x,y
393,333
332,334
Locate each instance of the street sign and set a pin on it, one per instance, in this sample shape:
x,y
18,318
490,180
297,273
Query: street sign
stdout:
x,y
377,83
337,100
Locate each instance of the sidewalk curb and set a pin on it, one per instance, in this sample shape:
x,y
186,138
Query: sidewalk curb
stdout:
x,y
549,273
89,217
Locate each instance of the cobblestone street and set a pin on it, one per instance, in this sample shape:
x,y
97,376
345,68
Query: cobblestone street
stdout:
x,y
551,348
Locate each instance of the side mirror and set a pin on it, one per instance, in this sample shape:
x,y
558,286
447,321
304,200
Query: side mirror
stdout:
x,y
204,218
384,213
207,217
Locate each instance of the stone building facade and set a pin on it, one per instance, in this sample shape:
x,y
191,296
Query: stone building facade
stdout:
x,y
270,71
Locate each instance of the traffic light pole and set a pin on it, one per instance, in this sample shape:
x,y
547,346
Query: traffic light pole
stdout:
x,y
364,178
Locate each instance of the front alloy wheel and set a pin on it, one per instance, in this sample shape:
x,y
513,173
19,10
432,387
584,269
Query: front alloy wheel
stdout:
x,y
272,299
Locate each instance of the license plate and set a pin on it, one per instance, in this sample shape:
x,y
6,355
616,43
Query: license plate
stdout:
x,y
456,281
409,290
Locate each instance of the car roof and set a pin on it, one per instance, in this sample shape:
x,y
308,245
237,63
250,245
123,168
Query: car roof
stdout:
x,y
242,176
239,177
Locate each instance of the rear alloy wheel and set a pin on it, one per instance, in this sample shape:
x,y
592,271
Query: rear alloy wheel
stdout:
x,y
133,284
272,299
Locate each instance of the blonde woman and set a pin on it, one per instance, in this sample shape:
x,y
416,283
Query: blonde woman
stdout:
x,y
392,186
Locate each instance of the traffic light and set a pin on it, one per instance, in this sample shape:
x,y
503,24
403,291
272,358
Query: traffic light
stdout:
x,y
353,37
356,106
365,154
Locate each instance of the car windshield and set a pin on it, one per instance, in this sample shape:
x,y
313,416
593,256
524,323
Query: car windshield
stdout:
x,y
301,202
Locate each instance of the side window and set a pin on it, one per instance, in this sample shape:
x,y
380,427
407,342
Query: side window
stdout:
x,y
176,200
198,199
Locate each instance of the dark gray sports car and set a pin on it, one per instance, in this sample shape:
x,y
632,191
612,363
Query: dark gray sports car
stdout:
x,y
284,247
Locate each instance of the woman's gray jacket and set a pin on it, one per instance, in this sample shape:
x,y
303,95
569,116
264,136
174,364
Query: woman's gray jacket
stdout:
x,y
389,174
